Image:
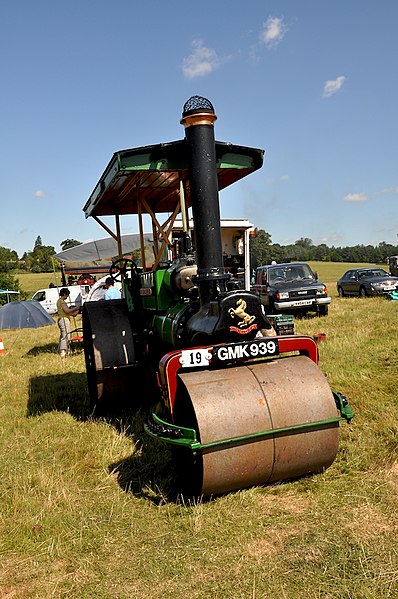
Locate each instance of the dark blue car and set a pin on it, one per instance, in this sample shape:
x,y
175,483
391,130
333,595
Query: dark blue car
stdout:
x,y
363,282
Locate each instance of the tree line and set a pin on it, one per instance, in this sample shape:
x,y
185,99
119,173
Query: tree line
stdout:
x,y
39,259
263,251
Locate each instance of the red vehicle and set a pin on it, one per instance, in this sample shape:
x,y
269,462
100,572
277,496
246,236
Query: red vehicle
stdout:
x,y
86,280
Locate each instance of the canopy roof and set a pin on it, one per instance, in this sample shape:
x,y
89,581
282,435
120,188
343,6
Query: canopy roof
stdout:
x,y
102,249
151,175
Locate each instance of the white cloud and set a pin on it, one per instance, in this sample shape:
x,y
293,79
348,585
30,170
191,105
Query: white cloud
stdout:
x,y
39,194
273,31
335,238
201,62
356,197
391,190
333,86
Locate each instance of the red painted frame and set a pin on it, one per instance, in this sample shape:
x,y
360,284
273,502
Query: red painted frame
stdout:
x,y
169,365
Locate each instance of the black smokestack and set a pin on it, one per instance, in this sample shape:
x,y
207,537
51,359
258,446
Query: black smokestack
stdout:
x,y
198,119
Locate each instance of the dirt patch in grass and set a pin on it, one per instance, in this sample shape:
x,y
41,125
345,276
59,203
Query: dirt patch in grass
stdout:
x,y
274,542
369,523
287,503
390,475
392,472
295,505
12,591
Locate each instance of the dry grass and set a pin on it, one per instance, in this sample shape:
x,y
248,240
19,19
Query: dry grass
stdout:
x,y
85,511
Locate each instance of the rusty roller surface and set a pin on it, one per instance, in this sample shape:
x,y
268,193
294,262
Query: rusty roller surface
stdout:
x,y
109,349
240,401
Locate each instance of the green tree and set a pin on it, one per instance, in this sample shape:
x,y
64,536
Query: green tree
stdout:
x,y
278,253
294,252
69,243
302,249
8,259
38,242
40,259
304,242
386,250
322,252
9,282
260,248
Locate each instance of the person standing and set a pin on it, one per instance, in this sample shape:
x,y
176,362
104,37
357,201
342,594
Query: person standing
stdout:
x,y
111,292
64,314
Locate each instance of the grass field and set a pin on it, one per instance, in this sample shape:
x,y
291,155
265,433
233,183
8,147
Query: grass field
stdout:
x,y
30,282
84,506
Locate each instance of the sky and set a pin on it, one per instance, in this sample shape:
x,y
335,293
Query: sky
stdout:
x,y
313,82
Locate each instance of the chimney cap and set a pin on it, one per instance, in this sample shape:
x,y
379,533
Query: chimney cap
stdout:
x,y
197,104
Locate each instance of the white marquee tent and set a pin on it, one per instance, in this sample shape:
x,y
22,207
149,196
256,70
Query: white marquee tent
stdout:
x,y
102,249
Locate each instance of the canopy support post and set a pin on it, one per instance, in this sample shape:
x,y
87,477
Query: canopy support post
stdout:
x,y
118,237
103,225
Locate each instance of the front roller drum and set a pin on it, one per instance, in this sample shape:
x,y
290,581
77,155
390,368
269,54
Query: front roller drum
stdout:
x,y
110,353
228,407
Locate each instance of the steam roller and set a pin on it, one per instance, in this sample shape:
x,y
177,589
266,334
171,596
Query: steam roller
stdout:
x,y
240,404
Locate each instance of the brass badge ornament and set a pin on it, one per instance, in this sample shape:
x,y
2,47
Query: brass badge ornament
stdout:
x,y
243,326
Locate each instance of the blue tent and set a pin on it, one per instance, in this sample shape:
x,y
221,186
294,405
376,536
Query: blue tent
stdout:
x,y
24,315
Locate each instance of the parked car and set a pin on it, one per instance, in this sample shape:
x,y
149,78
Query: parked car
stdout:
x,y
291,287
366,281
48,297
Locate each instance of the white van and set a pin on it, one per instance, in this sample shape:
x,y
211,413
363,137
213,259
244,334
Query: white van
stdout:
x,y
48,297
